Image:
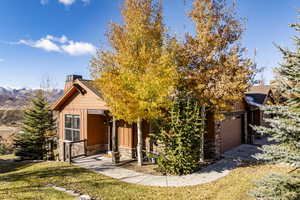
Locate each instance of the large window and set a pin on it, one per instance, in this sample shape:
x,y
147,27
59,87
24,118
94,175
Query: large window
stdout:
x,y
72,127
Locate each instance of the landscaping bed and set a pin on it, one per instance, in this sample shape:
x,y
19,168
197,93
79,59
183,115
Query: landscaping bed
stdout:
x,y
150,168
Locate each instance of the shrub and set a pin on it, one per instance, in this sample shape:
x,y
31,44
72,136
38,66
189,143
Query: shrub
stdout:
x,y
181,133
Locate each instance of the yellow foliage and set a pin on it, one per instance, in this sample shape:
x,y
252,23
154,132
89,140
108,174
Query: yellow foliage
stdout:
x,y
212,61
138,75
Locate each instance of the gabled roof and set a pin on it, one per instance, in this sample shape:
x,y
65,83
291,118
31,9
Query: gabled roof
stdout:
x,y
76,87
258,95
90,84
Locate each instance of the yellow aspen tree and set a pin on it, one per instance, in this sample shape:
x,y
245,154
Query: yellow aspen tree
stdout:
x,y
137,75
212,61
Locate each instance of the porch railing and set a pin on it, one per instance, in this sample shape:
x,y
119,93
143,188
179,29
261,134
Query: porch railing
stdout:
x,y
67,149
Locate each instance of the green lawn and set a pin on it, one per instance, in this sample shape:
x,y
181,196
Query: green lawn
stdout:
x,y
28,181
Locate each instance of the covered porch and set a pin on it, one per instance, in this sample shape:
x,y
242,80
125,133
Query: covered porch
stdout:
x,y
85,125
100,134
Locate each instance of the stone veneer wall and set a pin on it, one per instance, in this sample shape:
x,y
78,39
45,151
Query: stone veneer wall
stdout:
x,y
127,153
77,149
218,139
209,148
60,150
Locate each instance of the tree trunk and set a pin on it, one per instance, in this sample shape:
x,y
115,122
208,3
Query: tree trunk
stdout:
x,y
115,153
202,133
140,142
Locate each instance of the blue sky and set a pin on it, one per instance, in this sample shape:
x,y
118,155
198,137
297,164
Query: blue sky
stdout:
x,y
54,38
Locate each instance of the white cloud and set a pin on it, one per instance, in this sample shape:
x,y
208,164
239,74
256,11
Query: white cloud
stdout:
x,y
44,2
62,39
61,44
66,2
79,48
43,43
1,60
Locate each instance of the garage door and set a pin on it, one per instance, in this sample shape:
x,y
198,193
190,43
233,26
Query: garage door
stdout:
x,y
231,133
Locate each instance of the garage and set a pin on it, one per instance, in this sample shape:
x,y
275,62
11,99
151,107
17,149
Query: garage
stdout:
x,y
231,132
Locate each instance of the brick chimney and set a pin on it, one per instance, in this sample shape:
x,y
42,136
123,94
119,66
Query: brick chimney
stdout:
x,y
70,80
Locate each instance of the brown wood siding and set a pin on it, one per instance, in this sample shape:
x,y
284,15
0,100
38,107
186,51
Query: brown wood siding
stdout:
x,y
257,117
128,134
96,130
231,133
125,136
145,130
240,106
79,104
83,122
87,101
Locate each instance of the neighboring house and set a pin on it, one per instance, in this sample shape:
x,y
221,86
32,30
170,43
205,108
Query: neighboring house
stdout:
x,y
85,125
256,97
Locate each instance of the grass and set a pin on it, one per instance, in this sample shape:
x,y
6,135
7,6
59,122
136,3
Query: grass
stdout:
x,y
28,181
8,156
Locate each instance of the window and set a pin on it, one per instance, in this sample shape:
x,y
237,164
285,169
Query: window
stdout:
x,y
72,127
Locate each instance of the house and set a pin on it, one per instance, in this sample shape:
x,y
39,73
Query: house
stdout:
x,y
228,133
85,126
256,97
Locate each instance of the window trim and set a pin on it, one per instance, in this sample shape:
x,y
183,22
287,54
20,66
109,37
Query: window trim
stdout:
x,y
72,129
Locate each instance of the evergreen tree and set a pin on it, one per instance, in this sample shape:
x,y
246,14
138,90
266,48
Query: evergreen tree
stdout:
x,y
38,127
181,134
283,128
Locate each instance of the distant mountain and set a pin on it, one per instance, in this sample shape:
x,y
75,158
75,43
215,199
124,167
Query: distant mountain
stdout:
x,y
17,99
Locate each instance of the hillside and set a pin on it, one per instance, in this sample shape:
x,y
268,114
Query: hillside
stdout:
x,y
17,99
13,101
10,117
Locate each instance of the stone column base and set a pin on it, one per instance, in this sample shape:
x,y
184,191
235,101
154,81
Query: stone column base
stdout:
x,y
127,153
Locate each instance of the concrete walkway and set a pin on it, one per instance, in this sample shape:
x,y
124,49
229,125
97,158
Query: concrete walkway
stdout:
x,y
231,160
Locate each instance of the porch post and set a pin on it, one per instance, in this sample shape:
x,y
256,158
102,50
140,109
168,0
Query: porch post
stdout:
x,y
115,153
64,151
70,152
246,137
85,147
252,130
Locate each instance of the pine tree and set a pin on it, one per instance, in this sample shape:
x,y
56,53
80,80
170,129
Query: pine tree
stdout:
x,y
138,74
283,128
37,130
